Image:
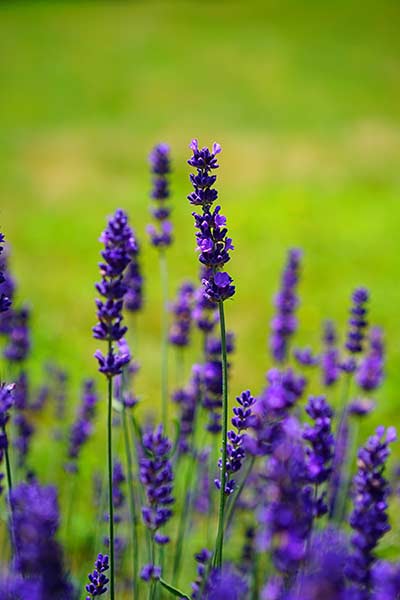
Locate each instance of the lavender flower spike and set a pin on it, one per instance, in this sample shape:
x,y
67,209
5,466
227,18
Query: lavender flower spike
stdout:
x,y
160,167
330,357
370,373
369,518
98,581
5,301
284,323
134,282
212,242
119,244
182,312
357,327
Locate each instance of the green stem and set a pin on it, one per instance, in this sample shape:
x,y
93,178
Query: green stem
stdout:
x,y
219,542
164,341
8,464
132,506
110,487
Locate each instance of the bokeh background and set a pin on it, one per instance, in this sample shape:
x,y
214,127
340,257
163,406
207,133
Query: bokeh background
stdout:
x,y
303,97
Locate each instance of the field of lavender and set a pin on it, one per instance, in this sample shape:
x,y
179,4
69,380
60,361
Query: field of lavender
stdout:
x,y
198,422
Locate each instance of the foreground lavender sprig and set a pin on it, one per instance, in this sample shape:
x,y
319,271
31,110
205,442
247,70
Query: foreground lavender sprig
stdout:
x,y
284,323
98,581
369,518
214,248
38,554
119,243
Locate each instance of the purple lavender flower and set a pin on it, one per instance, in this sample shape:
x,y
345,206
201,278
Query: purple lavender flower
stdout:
x,y
225,583
203,559
6,288
369,374
242,420
212,242
98,581
161,237
38,554
133,279
150,572
320,455
369,518
284,324
386,581
285,518
357,327
119,244
182,313
24,431
18,341
188,399
305,357
157,477
82,428
323,575
330,356
15,587
273,406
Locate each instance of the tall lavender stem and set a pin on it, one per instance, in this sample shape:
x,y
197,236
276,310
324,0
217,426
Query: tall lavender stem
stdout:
x,y
110,483
219,543
132,506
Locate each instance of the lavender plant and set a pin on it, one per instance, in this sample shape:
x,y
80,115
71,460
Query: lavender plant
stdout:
x,y
296,512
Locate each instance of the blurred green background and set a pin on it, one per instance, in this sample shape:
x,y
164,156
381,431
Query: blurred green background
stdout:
x,y
303,97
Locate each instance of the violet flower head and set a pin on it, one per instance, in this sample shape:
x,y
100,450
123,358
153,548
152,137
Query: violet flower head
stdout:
x,y
273,407
119,244
82,428
386,581
225,583
133,279
18,339
160,235
305,357
357,327
284,324
320,454
97,578
369,518
38,554
157,478
330,355
203,559
286,517
182,316
369,375
213,244
5,299
243,418
188,400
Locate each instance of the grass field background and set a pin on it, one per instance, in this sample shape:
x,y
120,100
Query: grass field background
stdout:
x,y
303,97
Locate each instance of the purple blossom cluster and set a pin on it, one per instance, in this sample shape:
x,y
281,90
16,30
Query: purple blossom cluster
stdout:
x,y
5,283
213,244
82,428
157,478
160,164
181,310
243,419
369,375
97,585
119,243
133,280
284,323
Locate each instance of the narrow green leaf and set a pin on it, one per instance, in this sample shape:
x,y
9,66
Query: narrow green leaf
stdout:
x,y
173,590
